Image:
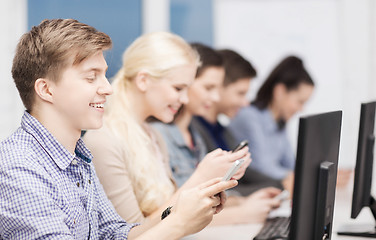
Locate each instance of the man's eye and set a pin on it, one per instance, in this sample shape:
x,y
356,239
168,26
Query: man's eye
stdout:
x,y
178,89
91,79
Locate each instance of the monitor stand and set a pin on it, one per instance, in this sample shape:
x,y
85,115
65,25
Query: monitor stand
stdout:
x,y
365,230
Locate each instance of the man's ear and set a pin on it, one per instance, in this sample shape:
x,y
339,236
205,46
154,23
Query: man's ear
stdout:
x,y
42,87
142,81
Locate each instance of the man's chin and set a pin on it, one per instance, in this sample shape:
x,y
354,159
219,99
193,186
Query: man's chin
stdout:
x,y
94,126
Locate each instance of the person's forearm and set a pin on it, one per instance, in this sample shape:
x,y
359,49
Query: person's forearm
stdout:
x,y
168,229
148,224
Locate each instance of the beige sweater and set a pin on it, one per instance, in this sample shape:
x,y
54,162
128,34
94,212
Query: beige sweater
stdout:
x,y
109,161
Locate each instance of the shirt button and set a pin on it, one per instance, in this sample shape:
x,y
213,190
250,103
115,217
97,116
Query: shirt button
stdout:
x,y
89,181
74,162
78,184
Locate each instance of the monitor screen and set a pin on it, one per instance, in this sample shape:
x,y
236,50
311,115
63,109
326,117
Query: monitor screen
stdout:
x,y
364,159
363,174
315,176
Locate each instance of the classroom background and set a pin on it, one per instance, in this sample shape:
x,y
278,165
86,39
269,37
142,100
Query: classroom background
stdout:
x,y
335,38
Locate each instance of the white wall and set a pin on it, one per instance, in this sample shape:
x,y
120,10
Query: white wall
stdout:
x,y
13,17
335,38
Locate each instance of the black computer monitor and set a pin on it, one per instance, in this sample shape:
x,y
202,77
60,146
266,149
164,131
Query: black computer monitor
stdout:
x,y
363,173
315,176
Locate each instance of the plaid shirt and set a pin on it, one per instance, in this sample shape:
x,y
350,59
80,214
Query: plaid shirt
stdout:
x,y
47,192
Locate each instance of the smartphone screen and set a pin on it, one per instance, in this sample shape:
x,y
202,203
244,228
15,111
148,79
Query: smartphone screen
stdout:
x,y
241,145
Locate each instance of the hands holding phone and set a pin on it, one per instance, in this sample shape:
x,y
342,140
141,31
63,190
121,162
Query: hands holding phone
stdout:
x,y
236,165
218,162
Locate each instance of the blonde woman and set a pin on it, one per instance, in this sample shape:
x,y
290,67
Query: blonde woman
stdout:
x,y
130,158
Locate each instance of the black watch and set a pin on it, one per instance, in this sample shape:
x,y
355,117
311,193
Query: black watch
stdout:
x,y
166,212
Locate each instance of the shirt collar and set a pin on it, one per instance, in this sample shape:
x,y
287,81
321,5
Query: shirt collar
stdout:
x,y
58,153
83,152
213,128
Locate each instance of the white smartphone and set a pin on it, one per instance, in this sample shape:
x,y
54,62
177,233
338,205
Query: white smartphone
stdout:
x,y
284,195
234,168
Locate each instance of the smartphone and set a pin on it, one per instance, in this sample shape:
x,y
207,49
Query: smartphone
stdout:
x,y
284,195
241,145
234,168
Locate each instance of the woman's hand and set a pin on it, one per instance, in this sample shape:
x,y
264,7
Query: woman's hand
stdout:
x,y
288,183
343,177
257,206
216,164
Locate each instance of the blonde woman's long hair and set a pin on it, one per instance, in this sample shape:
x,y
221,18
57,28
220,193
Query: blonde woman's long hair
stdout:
x,y
157,54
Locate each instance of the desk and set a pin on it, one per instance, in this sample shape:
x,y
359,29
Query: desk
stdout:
x,y
342,211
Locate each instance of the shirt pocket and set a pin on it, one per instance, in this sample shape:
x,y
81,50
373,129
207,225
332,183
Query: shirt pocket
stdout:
x,y
76,219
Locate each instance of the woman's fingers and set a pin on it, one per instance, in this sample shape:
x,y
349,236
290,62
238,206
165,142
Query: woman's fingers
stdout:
x,y
216,152
241,153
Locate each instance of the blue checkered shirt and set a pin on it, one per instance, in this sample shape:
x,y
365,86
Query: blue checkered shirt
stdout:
x,y
47,192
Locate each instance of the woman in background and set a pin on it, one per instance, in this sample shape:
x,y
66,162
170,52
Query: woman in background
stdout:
x,y
284,93
130,158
